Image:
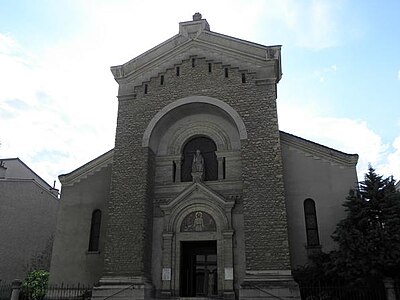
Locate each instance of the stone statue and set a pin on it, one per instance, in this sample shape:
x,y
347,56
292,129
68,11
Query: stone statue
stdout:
x,y
198,222
211,282
198,162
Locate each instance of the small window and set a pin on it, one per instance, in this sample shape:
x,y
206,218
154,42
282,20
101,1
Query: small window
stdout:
x,y
177,71
243,78
226,73
95,231
193,62
162,80
173,171
146,88
209,67
310,215
223,168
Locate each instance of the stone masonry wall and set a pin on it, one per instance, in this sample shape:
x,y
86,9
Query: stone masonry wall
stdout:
x,y
263,200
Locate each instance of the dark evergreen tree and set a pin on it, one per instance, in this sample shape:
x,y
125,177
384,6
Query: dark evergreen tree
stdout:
x,y
369,237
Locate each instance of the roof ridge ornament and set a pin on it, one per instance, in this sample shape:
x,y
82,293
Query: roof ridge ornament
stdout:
x,y
195,27
197,16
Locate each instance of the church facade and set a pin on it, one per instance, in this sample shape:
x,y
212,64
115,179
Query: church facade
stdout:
x,y
202,195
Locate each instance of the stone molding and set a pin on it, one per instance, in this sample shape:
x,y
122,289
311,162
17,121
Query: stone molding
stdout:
x,y
209,201
195,38
87,169
195,99
318,151
209,129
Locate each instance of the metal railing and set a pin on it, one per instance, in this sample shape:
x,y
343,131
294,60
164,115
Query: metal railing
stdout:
x,y
5,291
321,291
61,292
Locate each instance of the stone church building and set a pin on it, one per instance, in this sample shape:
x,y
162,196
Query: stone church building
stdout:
x,y
202,195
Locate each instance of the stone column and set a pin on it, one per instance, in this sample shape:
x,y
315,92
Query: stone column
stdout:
x,y
389,287
220,168
166,275
177,160
228,265
16,288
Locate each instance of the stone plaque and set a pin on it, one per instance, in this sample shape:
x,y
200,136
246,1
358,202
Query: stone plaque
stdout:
x,y
166,274
228,273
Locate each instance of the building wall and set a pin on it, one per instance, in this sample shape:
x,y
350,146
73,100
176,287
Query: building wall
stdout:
x,y
327,183
263,197
71,261
28,215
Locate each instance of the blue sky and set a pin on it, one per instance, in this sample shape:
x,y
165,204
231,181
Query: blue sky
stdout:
x,y
340,84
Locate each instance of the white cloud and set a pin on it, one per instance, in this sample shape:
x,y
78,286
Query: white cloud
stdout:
x,y
312,24
392,167
347,135
324,73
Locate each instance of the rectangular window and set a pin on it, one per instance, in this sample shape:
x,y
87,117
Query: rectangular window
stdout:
x,y
243,78
209,67
95,231
173,171
226,73
177,71
310,215
162,80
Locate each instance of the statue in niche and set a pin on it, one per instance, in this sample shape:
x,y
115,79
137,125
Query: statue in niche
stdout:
x,y
198,222
198,162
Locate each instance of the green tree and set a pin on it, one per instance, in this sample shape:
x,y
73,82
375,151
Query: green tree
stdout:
x,y
369,237
35,285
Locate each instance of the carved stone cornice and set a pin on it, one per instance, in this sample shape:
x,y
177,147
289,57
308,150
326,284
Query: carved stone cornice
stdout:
x,y
195,39
87,169
318,151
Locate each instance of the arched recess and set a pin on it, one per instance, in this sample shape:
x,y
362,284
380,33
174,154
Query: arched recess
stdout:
x,y
214,106
181,211
209,129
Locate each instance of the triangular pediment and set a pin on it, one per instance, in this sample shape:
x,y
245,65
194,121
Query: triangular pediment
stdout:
x,y
194,192
195,39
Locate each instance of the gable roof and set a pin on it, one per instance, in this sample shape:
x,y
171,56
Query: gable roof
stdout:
x,y
318,150
87,169
196,39
17,169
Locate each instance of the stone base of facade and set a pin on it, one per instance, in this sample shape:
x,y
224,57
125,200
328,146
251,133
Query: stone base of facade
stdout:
x,y
123,288
269,285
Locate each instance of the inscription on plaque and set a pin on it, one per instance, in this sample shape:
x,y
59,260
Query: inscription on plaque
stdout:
x,y
228,273
166,274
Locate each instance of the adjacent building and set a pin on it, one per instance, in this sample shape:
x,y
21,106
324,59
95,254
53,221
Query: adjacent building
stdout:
x,y
28,213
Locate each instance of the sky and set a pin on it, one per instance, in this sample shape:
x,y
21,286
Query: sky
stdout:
x,y
340,59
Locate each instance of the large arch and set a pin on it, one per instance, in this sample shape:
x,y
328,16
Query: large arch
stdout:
x,y
237,120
